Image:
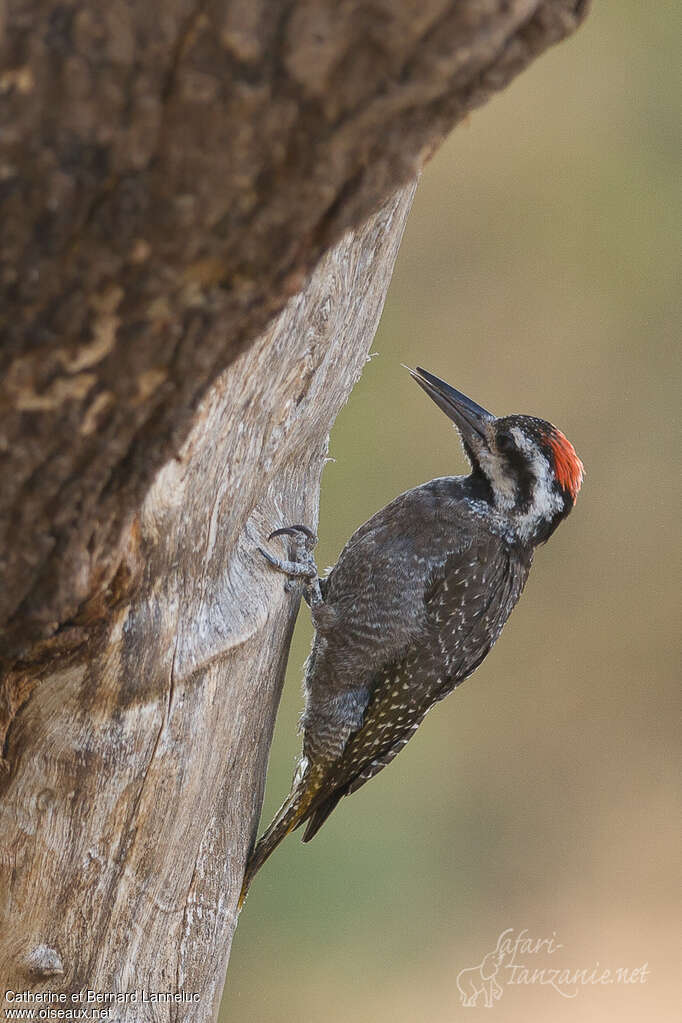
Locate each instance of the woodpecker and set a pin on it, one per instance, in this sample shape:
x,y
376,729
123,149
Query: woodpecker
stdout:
x,y
417,599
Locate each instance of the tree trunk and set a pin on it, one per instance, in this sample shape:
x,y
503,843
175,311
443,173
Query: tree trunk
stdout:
x,y
171,173
137,772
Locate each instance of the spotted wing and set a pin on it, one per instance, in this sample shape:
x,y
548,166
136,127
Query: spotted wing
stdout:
x,y
467,604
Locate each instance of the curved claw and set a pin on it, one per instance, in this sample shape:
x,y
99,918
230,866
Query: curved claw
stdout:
x,y
292,530
294,569
303,566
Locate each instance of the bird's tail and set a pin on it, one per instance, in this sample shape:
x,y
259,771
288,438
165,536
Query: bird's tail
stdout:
x,y
293,812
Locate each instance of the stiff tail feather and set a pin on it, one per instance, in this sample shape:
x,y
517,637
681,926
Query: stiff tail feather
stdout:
x,y
292,813
320,814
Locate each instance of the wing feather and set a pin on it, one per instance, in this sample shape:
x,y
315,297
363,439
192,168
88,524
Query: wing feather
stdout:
x,y
466,605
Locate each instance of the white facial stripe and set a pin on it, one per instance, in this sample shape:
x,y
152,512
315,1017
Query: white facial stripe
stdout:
x,y
547,502
503,483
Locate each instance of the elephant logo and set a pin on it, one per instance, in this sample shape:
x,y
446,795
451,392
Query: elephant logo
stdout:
x,y
474,981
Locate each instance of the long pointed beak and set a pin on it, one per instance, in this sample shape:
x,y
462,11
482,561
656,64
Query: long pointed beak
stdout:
x,y
467,416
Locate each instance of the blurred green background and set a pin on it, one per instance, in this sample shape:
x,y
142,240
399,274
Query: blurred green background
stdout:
x,y
539,273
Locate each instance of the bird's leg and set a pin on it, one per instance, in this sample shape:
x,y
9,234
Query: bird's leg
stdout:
x,y
303,564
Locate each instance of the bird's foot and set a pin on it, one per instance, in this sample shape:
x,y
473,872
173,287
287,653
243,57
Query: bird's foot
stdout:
x,y
301,565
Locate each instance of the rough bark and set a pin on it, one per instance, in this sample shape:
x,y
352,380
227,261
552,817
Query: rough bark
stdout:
x,y
170,174
137,773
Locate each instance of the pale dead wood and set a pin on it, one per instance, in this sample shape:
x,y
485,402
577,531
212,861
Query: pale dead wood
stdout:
x,y
137,773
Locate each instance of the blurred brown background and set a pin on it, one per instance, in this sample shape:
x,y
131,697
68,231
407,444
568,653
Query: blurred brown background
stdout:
x,y
539,273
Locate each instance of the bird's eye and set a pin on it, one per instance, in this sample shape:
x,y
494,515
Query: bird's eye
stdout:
x,y
505,442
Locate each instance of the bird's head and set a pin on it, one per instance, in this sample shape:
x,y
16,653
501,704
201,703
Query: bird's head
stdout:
x,y
530,472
